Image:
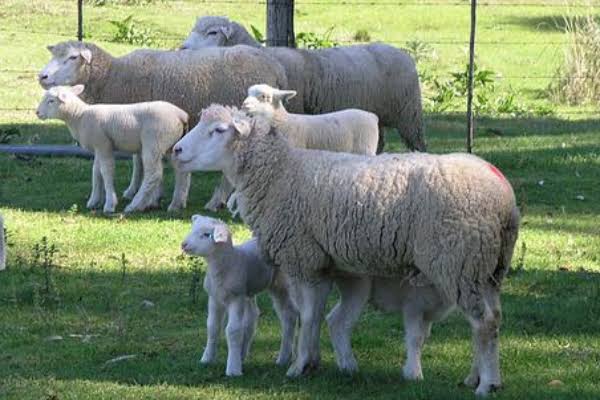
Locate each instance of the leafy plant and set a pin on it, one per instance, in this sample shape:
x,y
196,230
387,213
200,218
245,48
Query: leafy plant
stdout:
x,y
419,50
130,31
257,34
310,40
7,135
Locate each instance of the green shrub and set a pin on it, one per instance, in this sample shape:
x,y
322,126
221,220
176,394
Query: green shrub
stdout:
x,y
130,31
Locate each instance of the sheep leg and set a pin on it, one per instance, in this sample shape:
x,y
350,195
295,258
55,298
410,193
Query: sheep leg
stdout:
x,y
235,335
136,178
354,294
149,192
214,322
381,141
485,316
220,195
181,190
107,170
417,329
97,186
288,316
251,315
310,299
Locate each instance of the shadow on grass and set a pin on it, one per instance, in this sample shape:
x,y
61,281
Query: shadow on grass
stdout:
x,y
538,306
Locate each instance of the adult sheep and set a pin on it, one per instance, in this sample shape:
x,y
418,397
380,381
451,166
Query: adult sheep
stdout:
x,y
451,217
190,80
376,77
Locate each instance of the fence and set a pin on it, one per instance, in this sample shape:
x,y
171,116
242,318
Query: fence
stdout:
x,y
86,12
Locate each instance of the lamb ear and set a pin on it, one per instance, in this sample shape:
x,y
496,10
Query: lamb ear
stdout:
x,y
50,48
227,31
241,126
62,96
285,95
220,234
86,54
77,89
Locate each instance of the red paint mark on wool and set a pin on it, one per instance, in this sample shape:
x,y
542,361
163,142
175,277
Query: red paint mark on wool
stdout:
x,y
498,173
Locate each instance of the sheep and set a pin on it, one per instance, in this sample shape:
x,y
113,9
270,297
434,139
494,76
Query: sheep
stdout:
x,y
2,246
188,79
352,131
149,129
212,31
451,217
235,275
374,77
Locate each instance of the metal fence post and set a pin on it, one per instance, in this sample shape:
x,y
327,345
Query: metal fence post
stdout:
x,y
80,20
470,127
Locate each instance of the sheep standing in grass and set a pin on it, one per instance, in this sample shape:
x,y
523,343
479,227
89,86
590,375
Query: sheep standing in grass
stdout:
x,y
374,77
235,275
149,129
2,246
190,80
351,131
453,218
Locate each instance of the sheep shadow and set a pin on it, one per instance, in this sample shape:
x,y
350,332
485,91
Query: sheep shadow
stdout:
x,y
167,338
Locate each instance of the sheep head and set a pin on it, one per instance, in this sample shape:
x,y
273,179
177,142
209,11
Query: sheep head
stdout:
x,y
70,65
264,100
206,236
58,101
210,32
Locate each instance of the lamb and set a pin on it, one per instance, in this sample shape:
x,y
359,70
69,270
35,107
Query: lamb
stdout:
x,y
375,77
453,218
352,131
190,80
236,274
149,129
2,246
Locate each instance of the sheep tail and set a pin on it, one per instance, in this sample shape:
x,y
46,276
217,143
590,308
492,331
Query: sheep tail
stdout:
x,y
509,238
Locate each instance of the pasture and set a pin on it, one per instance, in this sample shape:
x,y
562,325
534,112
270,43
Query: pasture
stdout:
x,y
118,286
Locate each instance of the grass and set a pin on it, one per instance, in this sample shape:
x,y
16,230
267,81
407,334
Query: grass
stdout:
x,y
551,301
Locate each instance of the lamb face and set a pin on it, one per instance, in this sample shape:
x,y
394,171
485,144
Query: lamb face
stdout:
x,y
69,66
56,101
264,100
205,237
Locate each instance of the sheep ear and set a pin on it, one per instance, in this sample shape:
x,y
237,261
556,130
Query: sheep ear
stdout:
x,y
86,54
62,96
220,234
241,126
50,48
77,89
195,217
227,31
286,95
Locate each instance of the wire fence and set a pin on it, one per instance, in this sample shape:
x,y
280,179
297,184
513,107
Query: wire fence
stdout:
x,y
170,38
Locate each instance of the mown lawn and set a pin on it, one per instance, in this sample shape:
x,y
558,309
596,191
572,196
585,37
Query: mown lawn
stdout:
x,y
56,344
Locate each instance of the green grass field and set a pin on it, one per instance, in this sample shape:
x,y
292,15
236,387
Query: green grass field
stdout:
x,y
551,301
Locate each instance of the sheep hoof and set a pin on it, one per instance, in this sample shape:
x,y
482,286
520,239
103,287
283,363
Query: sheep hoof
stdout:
x,y
108,210
412,374
175,207
233,372
282,360
92,204
213,206
298,369
471,381
485,389
348,367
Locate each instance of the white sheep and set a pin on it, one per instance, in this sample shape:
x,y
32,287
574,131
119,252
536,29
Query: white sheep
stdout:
x,y
351,131
149,129
191,80
235,275
2,246
374,77
453,218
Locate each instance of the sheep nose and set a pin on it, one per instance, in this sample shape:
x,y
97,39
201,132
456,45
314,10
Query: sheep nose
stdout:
x,y
42,76
177,150
37,112
183,47
184,246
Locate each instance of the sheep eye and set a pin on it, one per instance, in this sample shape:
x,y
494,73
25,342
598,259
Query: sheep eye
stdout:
x,y
73,58
220,129
50,101
207,235
211,33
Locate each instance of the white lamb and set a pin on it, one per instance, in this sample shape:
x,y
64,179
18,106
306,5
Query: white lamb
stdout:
x,y
235,275
150,129
349,131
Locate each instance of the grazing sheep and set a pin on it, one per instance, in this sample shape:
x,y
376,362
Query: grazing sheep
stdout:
x,y
149,129
190,80
2,246
376,77
451,217
351,131
235,275
212,31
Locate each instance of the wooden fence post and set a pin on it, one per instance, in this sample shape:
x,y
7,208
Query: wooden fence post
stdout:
x,y
280,23
80,20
